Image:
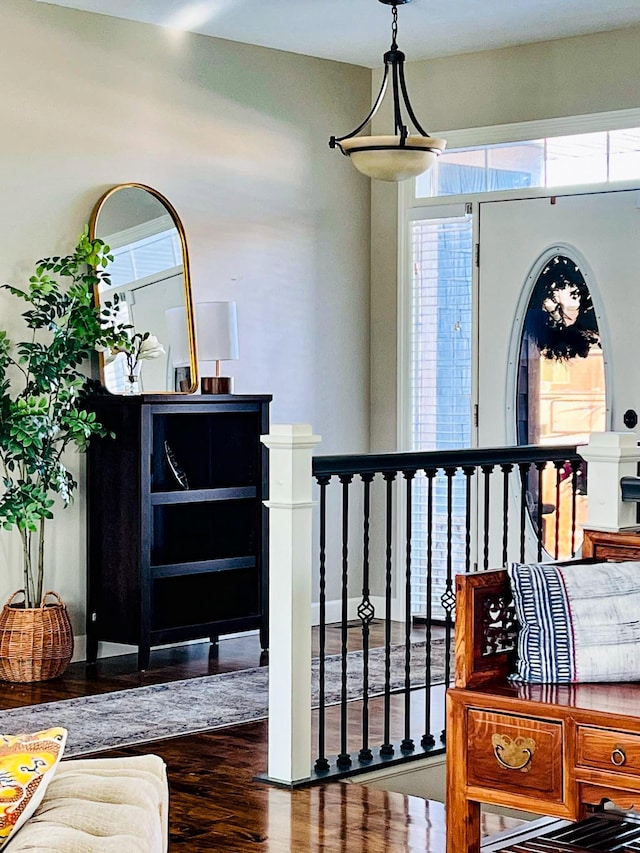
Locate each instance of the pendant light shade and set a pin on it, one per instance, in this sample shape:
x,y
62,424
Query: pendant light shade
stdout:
x,y
401,155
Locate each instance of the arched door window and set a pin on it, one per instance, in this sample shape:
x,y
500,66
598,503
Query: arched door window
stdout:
x,y
560,392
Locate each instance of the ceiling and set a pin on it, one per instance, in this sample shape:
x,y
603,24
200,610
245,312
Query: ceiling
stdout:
x,y
358,31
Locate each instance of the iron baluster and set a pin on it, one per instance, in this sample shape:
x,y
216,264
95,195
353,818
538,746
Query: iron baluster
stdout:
x,y
344,759
487,470
322,764
468,473
524,476
449,598
428,739
575,470
559,468
386,748
366,612
506,471
540,466
407,744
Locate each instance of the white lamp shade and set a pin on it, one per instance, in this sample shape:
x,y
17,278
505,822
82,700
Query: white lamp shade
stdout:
x,y
216,331
216,334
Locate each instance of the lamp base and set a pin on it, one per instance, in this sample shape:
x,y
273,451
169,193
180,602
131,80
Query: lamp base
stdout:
x,y
216,384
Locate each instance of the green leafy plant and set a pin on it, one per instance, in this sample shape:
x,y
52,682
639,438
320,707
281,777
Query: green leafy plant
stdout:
x,y
43,394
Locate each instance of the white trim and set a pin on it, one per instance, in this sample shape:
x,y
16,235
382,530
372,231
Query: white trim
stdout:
x,y
424,777
136,233
444,210
138,283
425,203
539,129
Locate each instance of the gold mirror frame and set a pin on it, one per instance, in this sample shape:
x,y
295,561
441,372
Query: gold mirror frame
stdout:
x,y
188,304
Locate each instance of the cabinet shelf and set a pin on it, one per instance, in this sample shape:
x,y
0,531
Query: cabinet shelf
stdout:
x,y
184,632
203,567
201,495
177,528
203,530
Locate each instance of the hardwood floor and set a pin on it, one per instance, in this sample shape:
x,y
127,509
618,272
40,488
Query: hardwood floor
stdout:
x,y
217,804
216,801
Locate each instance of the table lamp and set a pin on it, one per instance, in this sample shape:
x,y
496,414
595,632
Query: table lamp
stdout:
x,y
216,327
216,341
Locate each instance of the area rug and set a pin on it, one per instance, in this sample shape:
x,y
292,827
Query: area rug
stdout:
x,y
159,711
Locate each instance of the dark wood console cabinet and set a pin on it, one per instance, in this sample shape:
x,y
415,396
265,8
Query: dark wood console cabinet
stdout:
x,y
170,560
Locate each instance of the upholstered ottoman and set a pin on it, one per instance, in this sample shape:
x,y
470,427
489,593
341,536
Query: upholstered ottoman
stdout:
x,y
106,805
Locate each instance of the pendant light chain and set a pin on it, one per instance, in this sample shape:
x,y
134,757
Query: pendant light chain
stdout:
x,y
394,28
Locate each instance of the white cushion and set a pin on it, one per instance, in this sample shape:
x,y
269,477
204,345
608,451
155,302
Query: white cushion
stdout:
x,y
109,805
577,622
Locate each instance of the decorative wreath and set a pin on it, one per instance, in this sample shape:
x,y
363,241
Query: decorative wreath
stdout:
x,y
561,318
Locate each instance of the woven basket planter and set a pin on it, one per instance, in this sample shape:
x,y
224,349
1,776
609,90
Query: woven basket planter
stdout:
x,y
36,643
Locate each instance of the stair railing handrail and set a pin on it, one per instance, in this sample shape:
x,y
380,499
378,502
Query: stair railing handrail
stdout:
x,y
420,459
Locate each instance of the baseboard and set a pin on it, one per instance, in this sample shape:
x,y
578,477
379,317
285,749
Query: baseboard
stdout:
x,y
424,777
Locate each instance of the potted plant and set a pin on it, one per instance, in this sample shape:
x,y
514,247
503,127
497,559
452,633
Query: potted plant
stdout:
x,y
44,412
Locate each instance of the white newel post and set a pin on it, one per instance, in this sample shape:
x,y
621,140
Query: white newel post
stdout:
x,y
290,563
610,456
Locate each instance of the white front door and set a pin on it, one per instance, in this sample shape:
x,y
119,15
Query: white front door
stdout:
x,y
601,232
601,228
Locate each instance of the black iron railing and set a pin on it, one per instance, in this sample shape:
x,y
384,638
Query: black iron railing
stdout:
x,y
393,523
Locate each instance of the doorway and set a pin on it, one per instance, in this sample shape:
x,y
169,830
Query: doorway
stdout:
x,y
533,387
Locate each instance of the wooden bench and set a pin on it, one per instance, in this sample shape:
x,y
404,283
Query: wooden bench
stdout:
x,y
556,750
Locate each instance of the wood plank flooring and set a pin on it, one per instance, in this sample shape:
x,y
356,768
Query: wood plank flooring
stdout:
x,y
216,802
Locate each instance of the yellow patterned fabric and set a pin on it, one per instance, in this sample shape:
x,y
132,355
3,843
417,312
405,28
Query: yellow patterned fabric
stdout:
x,y
27,764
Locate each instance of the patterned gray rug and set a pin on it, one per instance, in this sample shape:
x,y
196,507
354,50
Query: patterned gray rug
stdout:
x,y
141,714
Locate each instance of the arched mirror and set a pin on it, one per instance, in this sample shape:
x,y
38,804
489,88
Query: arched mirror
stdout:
x,y
560,393
148,277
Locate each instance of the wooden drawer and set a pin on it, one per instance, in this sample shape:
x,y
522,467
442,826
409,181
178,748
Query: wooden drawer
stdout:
x,y
604,749
515,754
594,795
609,545
616,553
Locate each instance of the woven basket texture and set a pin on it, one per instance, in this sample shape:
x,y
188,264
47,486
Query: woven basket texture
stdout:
x,y
36,643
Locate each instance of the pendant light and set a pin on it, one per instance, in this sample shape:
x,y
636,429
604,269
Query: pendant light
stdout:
x,y
401,155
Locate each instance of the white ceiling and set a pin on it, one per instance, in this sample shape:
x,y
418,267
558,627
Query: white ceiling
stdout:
x,y
358,31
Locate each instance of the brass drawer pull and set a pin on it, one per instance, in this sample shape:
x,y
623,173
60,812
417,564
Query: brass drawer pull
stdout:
x,y
514,753
618,756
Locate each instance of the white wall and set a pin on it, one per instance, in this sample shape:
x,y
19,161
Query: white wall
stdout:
x,y
236,137
575,76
